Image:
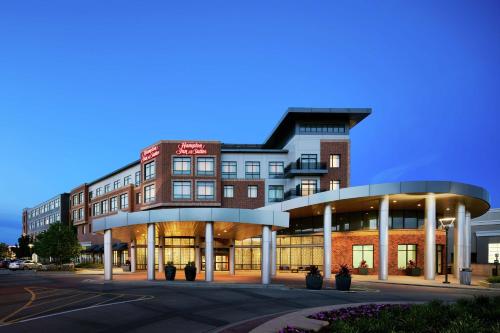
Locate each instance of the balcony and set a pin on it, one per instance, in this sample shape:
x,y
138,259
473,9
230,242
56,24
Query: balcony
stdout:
x,y
302,192
300,168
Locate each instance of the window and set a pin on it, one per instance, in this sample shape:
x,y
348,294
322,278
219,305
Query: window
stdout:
x,y
228,191
96,208
205,190
80,214
91,195
150,170
138,198
107,188
116,184
229,170
252,170
51,205
124,201
334,185
75,216
308,161
275,193
406,252
98,192
137,178
493,248
127,180
308,187
112,204
205,166
252,191
182,166
182,190
58,201
104,206
321,128
80,200
360,253
334,161
149,193
75,200
276,169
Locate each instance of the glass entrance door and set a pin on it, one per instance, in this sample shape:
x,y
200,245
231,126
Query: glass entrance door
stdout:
x,y
439,259
221,256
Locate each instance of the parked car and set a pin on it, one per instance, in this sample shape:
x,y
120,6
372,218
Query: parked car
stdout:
x,y
5,263
30,264
15,265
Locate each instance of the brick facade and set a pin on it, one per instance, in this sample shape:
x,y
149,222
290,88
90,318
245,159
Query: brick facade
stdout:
x,y
241,199
337,147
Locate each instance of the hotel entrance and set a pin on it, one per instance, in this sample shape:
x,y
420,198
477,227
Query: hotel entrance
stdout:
x,y
221,256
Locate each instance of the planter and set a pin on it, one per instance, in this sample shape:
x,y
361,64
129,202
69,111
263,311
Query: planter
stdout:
x,y
342,282
170,273
363,270
413,271
126,268
314,282
190,273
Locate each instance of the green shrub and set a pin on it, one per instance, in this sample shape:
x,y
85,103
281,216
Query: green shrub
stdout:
x,y
494,279
89,265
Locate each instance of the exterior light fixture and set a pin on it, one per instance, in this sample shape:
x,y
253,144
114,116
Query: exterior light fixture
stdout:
x,y
448,209
446,222
418,205
225,230
371,207
394,201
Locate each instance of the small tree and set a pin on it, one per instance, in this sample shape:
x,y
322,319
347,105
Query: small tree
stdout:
x,y
4,250
22,250
59,242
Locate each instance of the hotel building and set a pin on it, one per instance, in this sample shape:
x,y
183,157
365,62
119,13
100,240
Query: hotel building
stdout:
x,y
281,205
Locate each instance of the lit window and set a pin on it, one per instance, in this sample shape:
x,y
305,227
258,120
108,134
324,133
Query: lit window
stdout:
x,y
182,190
182,166
252,191
406,252
205,190
228,191
150,170
493,248
205,166
334,185
334,161
149,193
360,253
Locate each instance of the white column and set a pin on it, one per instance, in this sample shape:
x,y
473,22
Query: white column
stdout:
x,y
265,255
273,253
209,251
430,237
161,253
468,240
108,255
383,238
151,251
231,257
133,256
327,241
197,254
458,241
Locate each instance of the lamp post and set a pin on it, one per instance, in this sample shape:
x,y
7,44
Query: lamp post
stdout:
x,y
30,245
446,222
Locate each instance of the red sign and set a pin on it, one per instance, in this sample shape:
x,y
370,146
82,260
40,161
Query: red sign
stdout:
x,y
150,153
191,148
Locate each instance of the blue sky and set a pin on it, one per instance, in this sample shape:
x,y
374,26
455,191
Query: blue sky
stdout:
x,y
84,85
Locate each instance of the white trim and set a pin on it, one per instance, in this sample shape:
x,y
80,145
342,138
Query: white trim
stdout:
x,y
487,233
486,222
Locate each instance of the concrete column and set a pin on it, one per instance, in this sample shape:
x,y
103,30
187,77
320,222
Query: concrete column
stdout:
x,y
197,254
108,255
327,241
133,256
383,238
430,237
209,251
273,253
459,241
161,253
151,251
468,240
265,255
231,257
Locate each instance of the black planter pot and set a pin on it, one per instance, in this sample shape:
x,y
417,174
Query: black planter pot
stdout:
x,y
342,282
363,270
314,282
190,273
170,273
413,271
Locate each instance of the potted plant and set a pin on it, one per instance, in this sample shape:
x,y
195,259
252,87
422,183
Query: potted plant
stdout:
x,y
412,269
363,268
170,270
190,271
314,279
343,278
126,266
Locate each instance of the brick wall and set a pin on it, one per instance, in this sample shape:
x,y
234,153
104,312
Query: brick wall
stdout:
x,y
241,199
342,148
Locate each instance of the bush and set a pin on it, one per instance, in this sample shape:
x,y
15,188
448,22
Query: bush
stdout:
x,y
494,279
89,265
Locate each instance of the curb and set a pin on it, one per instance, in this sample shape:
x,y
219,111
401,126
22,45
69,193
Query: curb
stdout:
x,y
200,284
433,285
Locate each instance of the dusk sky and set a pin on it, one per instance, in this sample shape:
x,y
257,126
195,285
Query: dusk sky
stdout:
x,y
85,85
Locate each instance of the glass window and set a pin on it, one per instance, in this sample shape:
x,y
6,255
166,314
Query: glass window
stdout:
x,y
138,197
75,200
137,178
116,184
275,193
276,169
308,161
96,208
80,214
58,201
308,187
397,218
127,180
321,128
411,219
406,252
205,166
182,165
104,206
229,170
334,161
360,253
252,191
252,170
112,204
80,200
334,185
107,188
149,193
493,248
150,170
91,195
182,190
124,201
98,192
228,191
75,216
205,190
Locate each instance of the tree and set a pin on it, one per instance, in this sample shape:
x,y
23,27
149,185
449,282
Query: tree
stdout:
x,y
22,250
4,250
59,242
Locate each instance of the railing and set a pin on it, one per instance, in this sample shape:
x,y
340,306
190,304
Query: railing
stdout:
x,y
299,192
305,166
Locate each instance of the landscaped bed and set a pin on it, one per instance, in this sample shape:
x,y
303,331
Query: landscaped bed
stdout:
x,y
478,315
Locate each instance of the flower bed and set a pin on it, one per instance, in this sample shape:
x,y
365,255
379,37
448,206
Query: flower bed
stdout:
x,y
481,314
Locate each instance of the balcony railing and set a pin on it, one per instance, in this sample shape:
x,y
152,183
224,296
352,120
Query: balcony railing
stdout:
x,y
305,168
298,191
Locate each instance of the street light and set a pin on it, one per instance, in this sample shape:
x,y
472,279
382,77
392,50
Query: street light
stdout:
x,y
446,222
30,245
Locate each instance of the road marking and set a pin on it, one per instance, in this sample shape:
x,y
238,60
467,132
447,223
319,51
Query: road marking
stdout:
x,y
33,297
